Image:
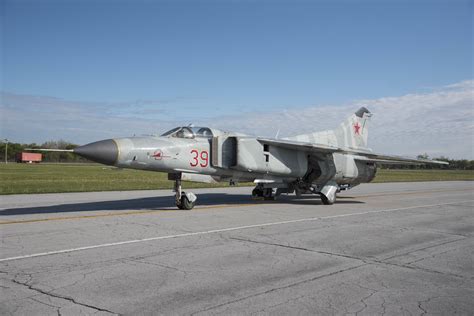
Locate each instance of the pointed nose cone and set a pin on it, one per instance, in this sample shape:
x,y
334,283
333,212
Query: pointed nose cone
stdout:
x,y
104,151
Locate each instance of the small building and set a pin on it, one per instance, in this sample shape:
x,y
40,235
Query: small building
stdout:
x,y
29,157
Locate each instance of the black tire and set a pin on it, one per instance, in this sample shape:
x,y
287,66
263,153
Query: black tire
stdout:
x,y
256,193
268,195
185,203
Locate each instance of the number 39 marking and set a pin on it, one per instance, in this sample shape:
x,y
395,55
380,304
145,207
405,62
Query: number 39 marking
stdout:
x,y
201,159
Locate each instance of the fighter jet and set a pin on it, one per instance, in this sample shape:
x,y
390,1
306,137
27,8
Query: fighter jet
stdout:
x,y
322,163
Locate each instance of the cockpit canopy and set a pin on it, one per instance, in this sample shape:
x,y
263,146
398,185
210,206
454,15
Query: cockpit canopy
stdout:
x,y
189,132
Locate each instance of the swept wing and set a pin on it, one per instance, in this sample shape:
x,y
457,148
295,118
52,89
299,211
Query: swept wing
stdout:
x,y
361,155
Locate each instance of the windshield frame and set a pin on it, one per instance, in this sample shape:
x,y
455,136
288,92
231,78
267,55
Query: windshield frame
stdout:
x,y
171,131
191,132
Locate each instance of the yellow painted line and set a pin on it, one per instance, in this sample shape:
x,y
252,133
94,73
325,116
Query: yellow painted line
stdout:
x,y
121,214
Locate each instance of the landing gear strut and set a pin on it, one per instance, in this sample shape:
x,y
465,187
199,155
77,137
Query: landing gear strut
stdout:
x,y
184,201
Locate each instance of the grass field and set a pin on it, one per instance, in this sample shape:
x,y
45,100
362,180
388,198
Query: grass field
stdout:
x,y
49,178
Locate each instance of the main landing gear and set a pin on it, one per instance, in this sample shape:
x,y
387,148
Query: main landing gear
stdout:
x,y
265,193
184,201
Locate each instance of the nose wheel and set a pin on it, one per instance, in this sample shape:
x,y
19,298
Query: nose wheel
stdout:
x,y
184,201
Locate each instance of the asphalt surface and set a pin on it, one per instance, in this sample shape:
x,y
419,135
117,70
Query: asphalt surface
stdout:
x,y
401,248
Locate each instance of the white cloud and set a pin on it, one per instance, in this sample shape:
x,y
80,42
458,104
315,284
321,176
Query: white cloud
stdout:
x,y
439,122
27,118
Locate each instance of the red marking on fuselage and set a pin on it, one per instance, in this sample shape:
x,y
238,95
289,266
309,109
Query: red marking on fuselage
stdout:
x,y
158,154
199,158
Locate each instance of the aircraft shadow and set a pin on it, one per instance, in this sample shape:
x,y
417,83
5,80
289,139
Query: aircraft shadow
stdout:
x,y
165,202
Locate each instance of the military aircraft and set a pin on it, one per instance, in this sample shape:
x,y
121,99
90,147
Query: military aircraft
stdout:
x,y
322,163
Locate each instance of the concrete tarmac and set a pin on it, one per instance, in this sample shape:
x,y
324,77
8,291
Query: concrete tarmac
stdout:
x,y
397,248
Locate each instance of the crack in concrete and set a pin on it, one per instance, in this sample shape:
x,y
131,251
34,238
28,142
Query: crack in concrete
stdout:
x,y
362,300
263,310
424,248
49,305
384,308
427,230
429,257
277,289
416,268
185,273
424,312
365,260
300,248
67,298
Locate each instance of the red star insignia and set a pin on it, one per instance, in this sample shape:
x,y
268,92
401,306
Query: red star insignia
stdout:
x,y
357,128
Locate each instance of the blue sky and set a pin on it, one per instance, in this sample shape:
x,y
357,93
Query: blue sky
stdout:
x,y
195,60
234,54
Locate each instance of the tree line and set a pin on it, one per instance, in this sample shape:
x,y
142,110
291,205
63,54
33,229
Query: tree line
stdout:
x,y
454,164
14,148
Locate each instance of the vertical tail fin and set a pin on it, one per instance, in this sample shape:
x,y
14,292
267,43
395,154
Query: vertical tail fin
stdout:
x,y
353,132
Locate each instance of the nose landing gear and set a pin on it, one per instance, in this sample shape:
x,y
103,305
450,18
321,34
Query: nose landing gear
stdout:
x,y
183,200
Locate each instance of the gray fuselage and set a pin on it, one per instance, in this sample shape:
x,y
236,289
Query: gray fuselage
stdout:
x,y
246,159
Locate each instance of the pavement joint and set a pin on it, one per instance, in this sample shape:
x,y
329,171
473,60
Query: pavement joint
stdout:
x,y
424,248
365,260
299,248
277,289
